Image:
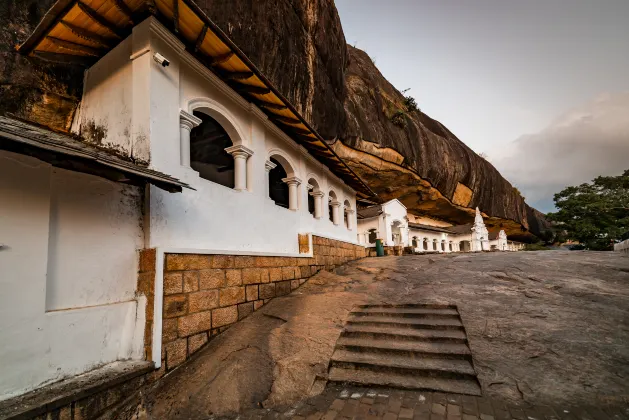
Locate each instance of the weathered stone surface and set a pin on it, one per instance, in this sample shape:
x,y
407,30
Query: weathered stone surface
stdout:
x,y
232,296
202,301
224,316
194,323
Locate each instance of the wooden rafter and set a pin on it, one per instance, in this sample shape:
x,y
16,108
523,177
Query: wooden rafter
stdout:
x,y
200,38
287,120
297,130
176,15
64,58
253,89
93,15
72,46
269,105
87,35
124,9
220,59
238,75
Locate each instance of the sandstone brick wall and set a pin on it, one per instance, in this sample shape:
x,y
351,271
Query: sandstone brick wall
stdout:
x,y
205,294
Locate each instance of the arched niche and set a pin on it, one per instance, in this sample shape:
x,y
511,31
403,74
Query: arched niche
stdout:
x,y
282,181
347,214
208,156
314,197
333,204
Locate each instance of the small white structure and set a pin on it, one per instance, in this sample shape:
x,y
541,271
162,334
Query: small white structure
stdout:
x,y
480,234
390,221
386,221
502,241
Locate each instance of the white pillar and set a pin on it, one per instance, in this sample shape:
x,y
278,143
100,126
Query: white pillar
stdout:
x,y
335,212
240,154
267,168
187,122
318,202
293,191
350,219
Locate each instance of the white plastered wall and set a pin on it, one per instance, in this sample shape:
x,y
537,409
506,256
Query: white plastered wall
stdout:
x,y
213,216
67,273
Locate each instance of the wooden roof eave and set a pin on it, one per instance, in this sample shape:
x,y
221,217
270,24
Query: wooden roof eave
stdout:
x,y
242,56
301,127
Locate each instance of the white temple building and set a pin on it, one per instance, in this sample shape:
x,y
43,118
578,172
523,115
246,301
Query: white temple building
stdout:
x,y
391,223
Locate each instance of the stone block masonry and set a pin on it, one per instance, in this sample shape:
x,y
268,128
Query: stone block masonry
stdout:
x,y
204,294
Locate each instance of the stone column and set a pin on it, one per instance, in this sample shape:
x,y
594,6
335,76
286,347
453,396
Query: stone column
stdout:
x,y
240,154
267,168
318,202
187,122
335,212
293,191
350,219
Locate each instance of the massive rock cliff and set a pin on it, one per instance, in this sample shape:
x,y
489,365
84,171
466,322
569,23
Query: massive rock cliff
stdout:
x,y
301,48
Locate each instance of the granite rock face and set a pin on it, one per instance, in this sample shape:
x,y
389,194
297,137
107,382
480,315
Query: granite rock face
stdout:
x,y
300,46
32,89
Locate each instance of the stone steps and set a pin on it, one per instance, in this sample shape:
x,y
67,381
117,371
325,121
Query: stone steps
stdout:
x,y
421,347
394,380
420,365
404,311
408,334
411,347
406,322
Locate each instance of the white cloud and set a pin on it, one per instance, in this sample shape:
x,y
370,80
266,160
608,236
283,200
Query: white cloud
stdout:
x,y
586,142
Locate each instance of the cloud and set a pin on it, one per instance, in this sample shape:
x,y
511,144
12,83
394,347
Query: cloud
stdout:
x,y
586,142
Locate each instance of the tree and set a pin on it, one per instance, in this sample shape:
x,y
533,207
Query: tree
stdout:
x,y
596,214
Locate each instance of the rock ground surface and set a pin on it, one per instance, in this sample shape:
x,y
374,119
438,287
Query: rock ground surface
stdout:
x,y
545,328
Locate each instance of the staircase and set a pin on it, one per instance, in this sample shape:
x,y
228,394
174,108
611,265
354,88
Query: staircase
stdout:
x,y
421,347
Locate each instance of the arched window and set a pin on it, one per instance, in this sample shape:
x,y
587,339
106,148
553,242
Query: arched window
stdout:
x,y
414,242
278,189
208,157
314,198
425,244
332,203
443,245
450,246
434,245
372,236
347,208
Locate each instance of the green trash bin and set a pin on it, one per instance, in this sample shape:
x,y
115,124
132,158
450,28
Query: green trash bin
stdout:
x,y
379,248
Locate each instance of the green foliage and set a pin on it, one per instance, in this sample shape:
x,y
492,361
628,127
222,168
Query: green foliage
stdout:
x,y
398,118
536,247
518,192
595,214
409,102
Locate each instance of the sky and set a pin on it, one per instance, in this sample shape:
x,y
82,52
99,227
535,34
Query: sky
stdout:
x,y
506,77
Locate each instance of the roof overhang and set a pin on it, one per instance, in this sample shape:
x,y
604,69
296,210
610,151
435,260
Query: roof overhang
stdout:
x,y
82,31
66,152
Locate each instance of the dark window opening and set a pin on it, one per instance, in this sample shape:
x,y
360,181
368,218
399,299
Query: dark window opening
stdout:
x,y
372,236
425,244
450,246
331,211
414,242
208,157
311,204
278,189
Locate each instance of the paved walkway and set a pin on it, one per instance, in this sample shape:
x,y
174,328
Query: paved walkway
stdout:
x,y
341,403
